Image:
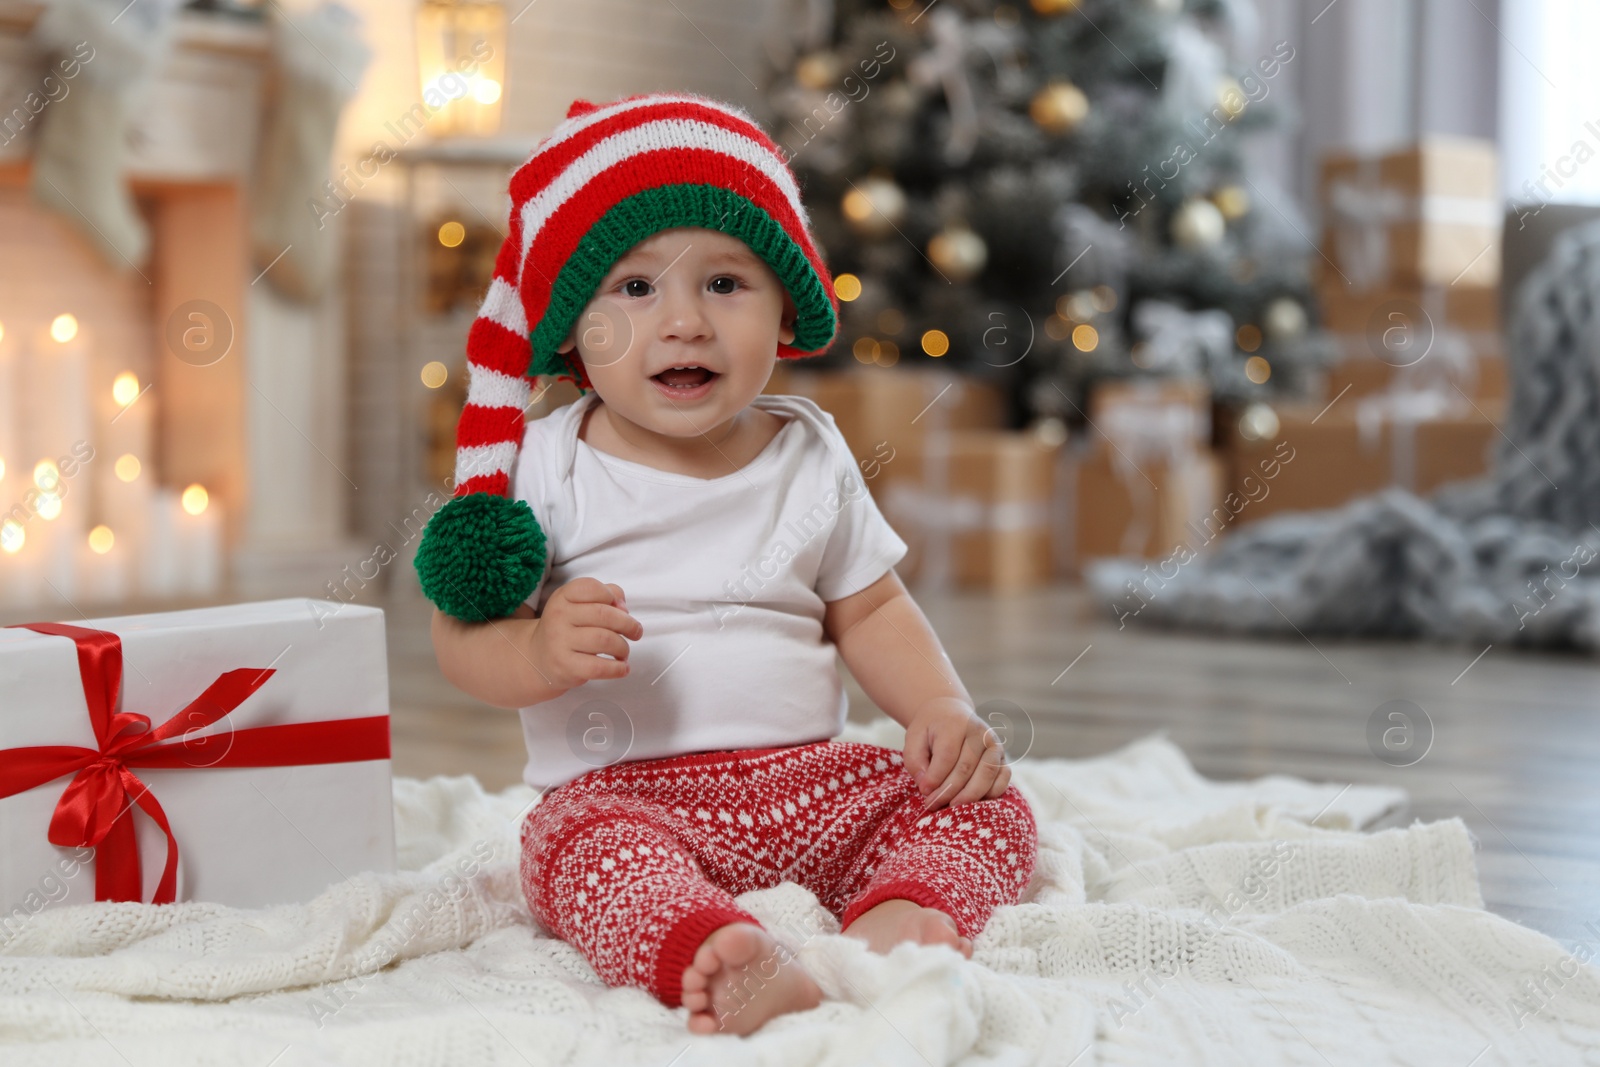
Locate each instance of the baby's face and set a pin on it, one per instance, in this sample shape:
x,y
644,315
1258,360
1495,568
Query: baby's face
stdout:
x,y
685,297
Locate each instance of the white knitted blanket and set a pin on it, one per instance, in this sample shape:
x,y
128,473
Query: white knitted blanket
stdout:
x,y
1174,920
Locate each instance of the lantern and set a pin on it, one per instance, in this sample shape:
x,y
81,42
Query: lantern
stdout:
x,y
461,61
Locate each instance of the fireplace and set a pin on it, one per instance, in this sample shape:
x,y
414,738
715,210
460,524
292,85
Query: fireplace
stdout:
x,y
169,429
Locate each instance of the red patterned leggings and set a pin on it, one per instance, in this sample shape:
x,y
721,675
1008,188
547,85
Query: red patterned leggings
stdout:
x,y
635,863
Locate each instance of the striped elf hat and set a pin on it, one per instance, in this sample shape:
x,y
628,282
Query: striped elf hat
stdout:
x,y
605,179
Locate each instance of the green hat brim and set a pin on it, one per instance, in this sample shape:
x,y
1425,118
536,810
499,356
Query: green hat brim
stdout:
x,y
645,213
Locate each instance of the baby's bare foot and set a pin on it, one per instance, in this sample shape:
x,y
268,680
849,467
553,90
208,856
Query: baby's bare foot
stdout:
x,y
885,925
740,977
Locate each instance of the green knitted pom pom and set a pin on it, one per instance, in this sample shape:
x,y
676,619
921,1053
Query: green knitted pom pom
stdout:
x,y
481,555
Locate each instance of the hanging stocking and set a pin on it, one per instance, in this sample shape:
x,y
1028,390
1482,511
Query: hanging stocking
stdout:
x,y
79,157
319,60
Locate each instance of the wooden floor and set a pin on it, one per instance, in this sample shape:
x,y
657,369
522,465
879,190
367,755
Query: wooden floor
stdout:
x,y
1515,750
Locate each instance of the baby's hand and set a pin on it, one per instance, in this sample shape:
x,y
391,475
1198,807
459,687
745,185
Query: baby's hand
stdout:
x,y
953,755
582,619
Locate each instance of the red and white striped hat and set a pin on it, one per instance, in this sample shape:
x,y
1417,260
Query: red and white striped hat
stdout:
x,y
606,178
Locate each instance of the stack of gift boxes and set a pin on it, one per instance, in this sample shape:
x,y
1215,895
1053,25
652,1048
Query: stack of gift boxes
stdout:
x,y
984,507
971,500
1409,284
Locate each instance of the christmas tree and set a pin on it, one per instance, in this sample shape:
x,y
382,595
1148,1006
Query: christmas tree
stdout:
x,y
1049,193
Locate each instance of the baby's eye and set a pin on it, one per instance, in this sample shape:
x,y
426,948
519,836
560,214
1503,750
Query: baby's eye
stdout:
x,y
629,291
733,283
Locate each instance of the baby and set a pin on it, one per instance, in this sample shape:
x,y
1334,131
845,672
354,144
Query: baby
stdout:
x,y
660,574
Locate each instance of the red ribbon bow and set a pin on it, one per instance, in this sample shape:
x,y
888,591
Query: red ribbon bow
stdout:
x,y
96,809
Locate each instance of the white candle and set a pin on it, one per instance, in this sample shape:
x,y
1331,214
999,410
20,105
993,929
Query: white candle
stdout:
x,y
124,412
57,561
161,563
199,528
57,411
21,577
125,488
102,576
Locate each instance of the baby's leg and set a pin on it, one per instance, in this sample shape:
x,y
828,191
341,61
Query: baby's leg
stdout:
x,y
963,861
608,875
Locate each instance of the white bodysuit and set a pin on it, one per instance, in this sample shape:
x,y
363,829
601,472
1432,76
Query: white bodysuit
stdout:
x,y
728,576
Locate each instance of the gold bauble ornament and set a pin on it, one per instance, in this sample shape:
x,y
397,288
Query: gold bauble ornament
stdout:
x,y
958,252
1198,225
1060,107
1284,319
1232,200
1054,7
819,70
874,206
1231,98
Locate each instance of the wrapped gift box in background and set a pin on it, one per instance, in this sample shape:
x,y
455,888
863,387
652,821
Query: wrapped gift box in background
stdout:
x,y
1328,455
890,409
1143,507
1479,375
1144,479
1363,314
1428,214
973,507
274,778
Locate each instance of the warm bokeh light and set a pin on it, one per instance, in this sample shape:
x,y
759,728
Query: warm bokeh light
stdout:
x,y
11,536
865,349
1104,297
888,353
1057,328
195,499
434,374
935,342
857,205
1085,338
452,234
46,475
48,505
63,328
1258,423
1077,307
101,539
847,287
1249,337
1257,369
1231,98
125,389
127,466
485,90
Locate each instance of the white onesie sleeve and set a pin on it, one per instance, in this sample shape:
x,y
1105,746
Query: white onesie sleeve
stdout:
x,y
862,546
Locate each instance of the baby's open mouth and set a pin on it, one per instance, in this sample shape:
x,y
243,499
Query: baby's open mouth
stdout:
x,y
685,377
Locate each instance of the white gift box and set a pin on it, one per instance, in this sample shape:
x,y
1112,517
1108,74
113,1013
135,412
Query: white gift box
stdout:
x,y
248,836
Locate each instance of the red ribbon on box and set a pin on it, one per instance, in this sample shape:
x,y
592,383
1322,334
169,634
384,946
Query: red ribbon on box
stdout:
x,y
96,809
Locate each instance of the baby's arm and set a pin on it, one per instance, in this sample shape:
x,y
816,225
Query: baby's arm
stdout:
x,y
522,660
893,652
